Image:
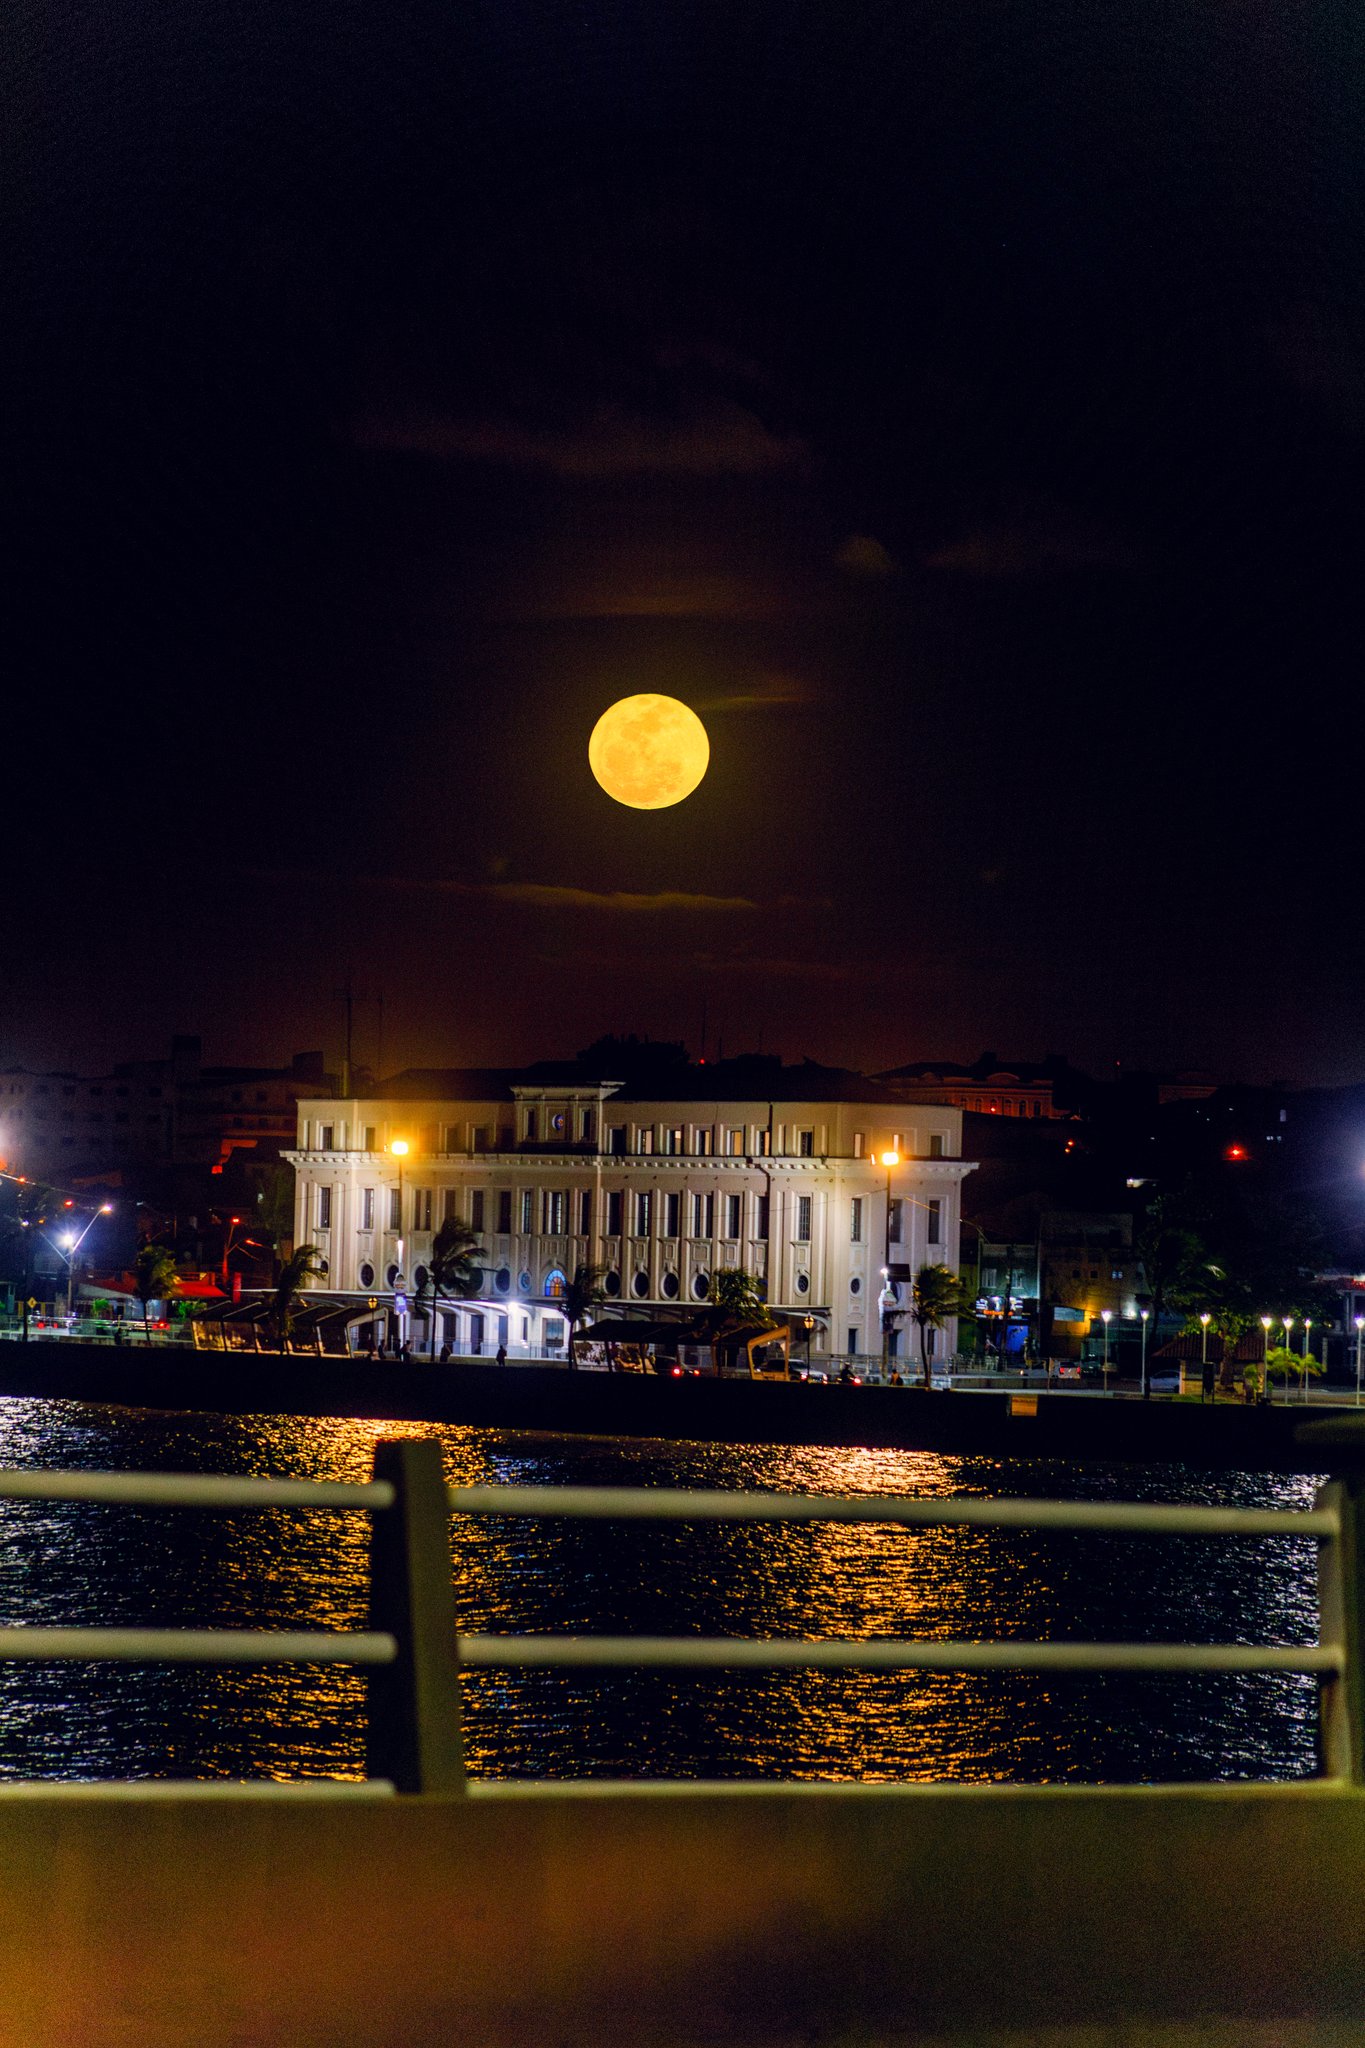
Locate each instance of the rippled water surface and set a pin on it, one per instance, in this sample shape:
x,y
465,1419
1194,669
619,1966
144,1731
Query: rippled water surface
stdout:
x,y
117,1566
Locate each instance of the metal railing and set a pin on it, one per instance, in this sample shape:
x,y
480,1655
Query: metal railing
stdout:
x,y
414,1655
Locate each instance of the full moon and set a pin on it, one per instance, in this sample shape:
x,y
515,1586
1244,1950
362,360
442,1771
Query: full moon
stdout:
x,y
649,751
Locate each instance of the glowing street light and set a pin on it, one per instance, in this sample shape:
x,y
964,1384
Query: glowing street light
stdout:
x,y
71,1241
1204,1321
400,1148
1106,1316
1360,1333
1146,1390
1307,1326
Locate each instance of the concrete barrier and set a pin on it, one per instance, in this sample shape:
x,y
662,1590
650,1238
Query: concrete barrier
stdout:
x,y
521,1917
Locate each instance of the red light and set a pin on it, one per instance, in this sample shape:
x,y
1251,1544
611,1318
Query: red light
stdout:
x,y
1235,1152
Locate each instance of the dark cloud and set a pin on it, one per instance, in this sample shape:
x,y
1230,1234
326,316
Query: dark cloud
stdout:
x,y
708,438
863,555
1036,537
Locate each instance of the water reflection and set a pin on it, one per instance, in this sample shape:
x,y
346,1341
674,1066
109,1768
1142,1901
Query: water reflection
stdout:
x,y
80,1564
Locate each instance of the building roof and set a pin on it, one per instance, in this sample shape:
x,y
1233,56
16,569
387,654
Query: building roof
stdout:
x,y
753,1078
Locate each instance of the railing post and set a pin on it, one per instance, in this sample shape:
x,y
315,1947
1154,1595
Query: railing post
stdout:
x,y
1341,1591
414,1703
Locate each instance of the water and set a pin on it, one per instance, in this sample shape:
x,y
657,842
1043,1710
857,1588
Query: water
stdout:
x,y
67,1565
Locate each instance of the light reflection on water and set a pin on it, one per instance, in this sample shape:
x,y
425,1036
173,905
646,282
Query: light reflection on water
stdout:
x,y
116,1566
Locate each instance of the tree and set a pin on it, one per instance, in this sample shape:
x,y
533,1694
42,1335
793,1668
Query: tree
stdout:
x,y
1284,1364
1174,1256
35,1204
302,1264
153,1279
455,1270
936,1296
581,1294
275,1207
736,1301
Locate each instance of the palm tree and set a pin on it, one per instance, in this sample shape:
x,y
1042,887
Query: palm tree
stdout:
x,y
153,1279
303,1264
737,1301
455,1271
936,1295
581,1294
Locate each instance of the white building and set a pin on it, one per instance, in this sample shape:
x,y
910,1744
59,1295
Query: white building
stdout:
x,y
552,1169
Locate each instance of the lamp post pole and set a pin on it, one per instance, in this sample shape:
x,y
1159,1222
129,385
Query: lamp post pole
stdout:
x,y
1288,1322
399,1149
1203,1351
890,1160
1360,1332
1106,1315
72,1244
1265,1359
1146,1390
1307,1354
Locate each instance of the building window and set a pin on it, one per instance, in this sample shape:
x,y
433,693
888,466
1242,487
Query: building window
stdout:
x,y
701,1285
611,1284
532,1131
504,1210
324,1208
734,1216
672,1215
644,1139
421,1209
853,1343
395,1209
734,1143
523,1282
366,1274
585,1213
475,1208
367,1208
668,1286
859,1140
855,1220
502,1280
644,1212
934,1233
554,1212
893,1220
936,1144
805,1144
555,1284
704,1216
706,1139
803,1283
480,1138
803,1219
614,1204
325,1132
855,1285
587,1126
765,1143
528,1211
450,1141
761,1216
673,1140
616,1141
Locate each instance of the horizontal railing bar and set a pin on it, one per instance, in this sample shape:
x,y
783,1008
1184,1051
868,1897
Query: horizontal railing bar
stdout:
x,y
195,1490
676,1504
196,1646
725,1653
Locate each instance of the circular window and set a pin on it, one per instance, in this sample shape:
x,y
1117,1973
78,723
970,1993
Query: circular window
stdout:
x,y
367,1275
701,1285
392,1276
668,1286
523,1283
557,1121
611,1284
639,1286
502,1279
421,1277
803,1283
855,1285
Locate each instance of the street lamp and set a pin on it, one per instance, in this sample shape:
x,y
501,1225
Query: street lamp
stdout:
x,y
890,1160
1307,1326
1360,1332
1105,1316
1204,1320
1288,1322
1265,1359
71,1243
1146,1390
399,1148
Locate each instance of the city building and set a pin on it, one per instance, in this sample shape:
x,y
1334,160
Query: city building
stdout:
x,y
163,1112
989,1086
780,1171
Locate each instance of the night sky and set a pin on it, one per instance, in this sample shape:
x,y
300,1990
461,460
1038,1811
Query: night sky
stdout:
x,y
960,405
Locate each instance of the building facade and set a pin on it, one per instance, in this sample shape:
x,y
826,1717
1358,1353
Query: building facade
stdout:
x,y
551,1170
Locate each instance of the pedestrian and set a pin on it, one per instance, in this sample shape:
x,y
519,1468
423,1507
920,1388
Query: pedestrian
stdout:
x,y
896,1380
501,1354
445,1352
404,1355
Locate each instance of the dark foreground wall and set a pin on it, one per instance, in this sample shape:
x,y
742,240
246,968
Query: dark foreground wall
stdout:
x,y
628,1404
869,1917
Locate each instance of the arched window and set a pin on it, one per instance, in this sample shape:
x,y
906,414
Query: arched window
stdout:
x,y
555,1284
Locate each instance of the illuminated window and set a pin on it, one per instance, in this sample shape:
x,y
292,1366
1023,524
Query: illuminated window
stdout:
x,y
855,1220
805,1144
644,1212
803,1219
673,1140
325,1137
554,1212
859,1140
367,1209
734,1143
764,1148
644,1139
705,1141
528,1211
